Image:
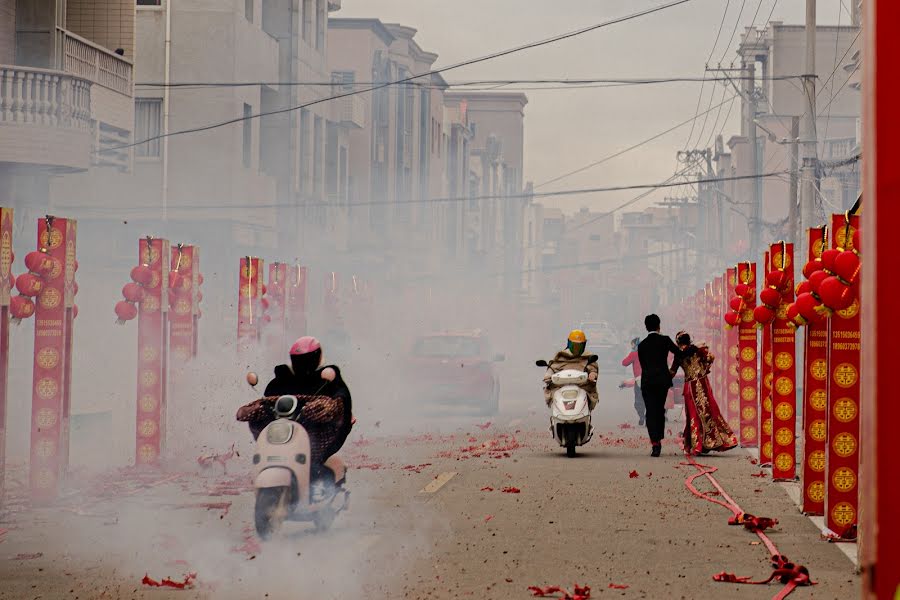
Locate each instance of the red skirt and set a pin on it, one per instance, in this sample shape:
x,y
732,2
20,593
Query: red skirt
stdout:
x,y
705,429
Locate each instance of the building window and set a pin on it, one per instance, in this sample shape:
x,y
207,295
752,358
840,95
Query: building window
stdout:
x,y
308,19
149,2
303,151
248,10
248,136
147,125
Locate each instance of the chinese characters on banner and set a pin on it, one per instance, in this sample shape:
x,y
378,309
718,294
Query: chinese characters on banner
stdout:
x,y
747,366
842,457
784,373
52,367
250,286
731,359
815,399
152,353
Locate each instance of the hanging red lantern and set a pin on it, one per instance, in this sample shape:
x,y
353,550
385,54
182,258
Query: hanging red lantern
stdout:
x,y
125,311
264,302
142,274
21,307
778,279
732,319
39,263
763,314
770,297
809,308
133,292
74,288
816,280
793,317
835,294
811,267
828,258
847,266
29,284
802,288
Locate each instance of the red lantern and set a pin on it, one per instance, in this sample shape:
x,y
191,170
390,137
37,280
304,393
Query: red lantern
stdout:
x,y
811,267
39,263
29,284
176,280
847,267
733,319
828,258
125,311
835,294
74,311
793,317
75,264
806,306
21,307
142,274
816,280
803,288
770,297
763,314
133,292
778,279
265,303
74,288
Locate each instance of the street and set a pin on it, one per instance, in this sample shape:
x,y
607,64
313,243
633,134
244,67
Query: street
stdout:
x,y
452,509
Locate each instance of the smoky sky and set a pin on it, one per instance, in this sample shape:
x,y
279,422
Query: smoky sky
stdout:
x,y
567,129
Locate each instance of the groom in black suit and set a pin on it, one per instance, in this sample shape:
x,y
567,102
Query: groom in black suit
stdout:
x,y
656,378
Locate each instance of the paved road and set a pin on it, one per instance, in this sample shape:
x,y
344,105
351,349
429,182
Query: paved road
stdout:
x,y
581,520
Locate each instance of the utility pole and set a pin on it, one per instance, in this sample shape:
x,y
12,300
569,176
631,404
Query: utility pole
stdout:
x,y
794,231
809,142
749,67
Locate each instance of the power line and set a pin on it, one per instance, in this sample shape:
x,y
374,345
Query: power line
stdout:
x,y
703,81
621,152
473,61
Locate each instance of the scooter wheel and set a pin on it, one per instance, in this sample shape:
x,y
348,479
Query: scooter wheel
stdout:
x,y
324,519
268,501
570,450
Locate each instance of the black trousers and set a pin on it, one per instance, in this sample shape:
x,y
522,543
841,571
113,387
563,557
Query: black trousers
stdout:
x,y
655,403
639,403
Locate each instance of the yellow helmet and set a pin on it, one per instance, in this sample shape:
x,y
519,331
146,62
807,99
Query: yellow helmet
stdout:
x,y
577,342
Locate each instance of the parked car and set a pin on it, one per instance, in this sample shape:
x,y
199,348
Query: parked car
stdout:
x,y
456,372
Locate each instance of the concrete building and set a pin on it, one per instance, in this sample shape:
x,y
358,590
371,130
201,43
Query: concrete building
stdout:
x,y
66,96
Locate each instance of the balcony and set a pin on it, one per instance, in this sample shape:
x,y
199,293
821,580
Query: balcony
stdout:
x,y
45,119
351,111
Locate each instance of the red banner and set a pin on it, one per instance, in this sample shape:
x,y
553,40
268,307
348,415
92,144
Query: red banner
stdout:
x,y
152,354
250,286
184,277
53,320
783,385
6,256
749,380
276,293
815,400
732,376
765,411
842,455
295,312
718,344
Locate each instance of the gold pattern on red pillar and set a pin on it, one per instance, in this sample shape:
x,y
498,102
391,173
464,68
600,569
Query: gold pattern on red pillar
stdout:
x,y
276,292
842,456
250,284
295,311
152,354
784,371
747,366
719,350
183,289
815,400
53,321
6,259
732,358
765,408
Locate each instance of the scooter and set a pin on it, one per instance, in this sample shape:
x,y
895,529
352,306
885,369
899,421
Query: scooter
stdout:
x,y
570,412
285,490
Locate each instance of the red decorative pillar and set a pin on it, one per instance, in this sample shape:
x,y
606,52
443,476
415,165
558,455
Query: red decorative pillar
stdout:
x,y
184,290
765,412
152,353
250,291
52,361
6,259
295,313
880,528
276,292
748,370
842,456
815,399
731,354
783,384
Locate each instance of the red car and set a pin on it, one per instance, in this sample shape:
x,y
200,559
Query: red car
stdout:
x,y
456,372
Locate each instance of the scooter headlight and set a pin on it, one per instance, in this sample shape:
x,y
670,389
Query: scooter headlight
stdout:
x,y
570,394
279,432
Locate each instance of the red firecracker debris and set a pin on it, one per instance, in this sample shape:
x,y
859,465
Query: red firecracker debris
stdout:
x,y
760,474
633,475
416,468
487,488
28,555
649,474
188,582
626,426
753,461
222,459
488,518
617,586
511,490
555,591
250,547
484,426
3,533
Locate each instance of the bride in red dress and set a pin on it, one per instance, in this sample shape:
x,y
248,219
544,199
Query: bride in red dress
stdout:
x,y
705,429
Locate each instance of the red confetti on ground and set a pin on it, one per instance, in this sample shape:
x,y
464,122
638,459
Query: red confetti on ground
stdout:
x,y
3,533
223,458
487,488
488,518
617,586
633,475
28,555
554,591
760,474
362,441
511,490
223,506
167,582
484,426
416,468
250,547
626,426
753,461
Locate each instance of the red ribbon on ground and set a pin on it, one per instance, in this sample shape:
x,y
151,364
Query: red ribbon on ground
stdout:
x,y
167,582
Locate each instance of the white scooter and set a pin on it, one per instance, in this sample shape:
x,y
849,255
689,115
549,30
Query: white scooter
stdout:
x,y
570,412
284,486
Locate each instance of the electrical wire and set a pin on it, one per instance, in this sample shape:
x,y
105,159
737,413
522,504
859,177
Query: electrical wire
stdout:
x,y
481,59
703,82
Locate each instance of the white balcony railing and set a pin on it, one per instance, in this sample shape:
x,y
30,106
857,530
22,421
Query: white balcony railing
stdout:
x,y
84,58
44,97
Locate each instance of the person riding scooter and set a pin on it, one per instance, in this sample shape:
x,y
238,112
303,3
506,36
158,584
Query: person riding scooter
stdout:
x,y
573,357
325,407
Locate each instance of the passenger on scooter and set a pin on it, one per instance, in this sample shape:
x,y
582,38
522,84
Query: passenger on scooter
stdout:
x,y
326,410
573,357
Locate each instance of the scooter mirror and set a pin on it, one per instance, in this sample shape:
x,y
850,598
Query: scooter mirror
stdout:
x,y
592,359
542,363
252,379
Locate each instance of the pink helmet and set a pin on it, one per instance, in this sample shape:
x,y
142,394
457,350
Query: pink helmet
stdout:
x,y
305,345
